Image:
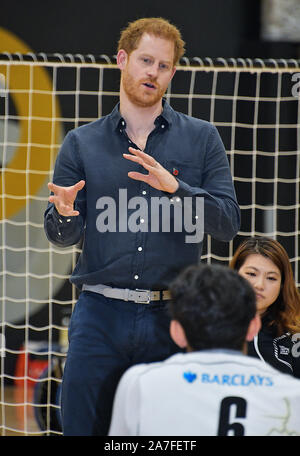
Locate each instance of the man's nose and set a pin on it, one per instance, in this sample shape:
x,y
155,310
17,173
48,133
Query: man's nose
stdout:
x,y
152,71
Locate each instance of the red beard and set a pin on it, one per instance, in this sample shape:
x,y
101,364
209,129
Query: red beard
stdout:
x,y
139,94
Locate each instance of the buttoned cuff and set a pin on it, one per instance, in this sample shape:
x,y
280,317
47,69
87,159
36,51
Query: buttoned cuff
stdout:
x,y
61,219
182,191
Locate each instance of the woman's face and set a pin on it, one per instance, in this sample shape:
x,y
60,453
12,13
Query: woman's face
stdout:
x,y
265,278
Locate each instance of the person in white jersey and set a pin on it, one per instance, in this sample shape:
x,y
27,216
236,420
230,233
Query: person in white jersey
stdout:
x,y
214,388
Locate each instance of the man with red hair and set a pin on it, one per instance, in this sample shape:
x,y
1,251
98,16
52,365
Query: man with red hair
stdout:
x,y
142,151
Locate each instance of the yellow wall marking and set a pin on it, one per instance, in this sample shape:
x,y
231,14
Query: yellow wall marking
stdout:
x,y
30,88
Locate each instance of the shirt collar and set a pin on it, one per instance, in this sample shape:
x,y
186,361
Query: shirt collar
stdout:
x,y
163,120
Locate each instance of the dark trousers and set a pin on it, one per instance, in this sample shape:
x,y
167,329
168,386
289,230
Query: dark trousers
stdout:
x,y
106,337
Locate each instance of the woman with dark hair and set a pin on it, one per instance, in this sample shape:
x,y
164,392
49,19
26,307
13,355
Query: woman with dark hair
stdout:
x,y
266,265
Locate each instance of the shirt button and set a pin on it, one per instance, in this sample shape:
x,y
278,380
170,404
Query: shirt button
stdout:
x,y
162,126
136,277
144,192
140,249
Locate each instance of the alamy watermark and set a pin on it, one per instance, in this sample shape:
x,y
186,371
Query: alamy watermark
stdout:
x,y
166,215
296,87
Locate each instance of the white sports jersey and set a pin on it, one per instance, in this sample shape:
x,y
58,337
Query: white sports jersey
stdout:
x,y
213,392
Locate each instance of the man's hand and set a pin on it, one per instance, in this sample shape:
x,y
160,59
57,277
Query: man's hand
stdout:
x,y
64,197
158,176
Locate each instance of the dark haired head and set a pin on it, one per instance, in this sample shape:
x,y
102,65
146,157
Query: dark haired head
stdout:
x,y
214,306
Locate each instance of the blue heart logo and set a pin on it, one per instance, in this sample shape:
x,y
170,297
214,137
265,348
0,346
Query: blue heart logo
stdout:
x,y
189,376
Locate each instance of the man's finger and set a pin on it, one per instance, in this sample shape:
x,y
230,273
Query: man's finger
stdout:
x,y
139,176
147,158
56,188
155,168
150,164
133,158
51,199
134,151
62,209
53,188
79,185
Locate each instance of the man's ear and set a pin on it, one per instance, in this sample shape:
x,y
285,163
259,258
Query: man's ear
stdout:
x,y
122,58
177,333
254,327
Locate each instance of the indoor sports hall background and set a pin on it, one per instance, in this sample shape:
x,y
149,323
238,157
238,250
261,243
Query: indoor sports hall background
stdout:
x,y
57,71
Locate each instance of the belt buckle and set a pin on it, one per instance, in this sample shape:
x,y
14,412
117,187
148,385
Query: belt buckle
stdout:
x,y
148,296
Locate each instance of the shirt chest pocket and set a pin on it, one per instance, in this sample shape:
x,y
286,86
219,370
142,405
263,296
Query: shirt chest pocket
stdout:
x,y
186,172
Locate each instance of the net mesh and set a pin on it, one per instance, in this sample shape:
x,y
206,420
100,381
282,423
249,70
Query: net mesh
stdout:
x,y
253,103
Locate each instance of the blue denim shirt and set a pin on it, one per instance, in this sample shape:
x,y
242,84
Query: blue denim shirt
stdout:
x,y
142,258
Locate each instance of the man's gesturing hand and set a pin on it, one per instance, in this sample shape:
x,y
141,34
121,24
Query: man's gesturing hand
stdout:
x,y
64,197
158,176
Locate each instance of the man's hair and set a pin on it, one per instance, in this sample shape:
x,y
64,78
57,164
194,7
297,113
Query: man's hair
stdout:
x,y
157,26
214,305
